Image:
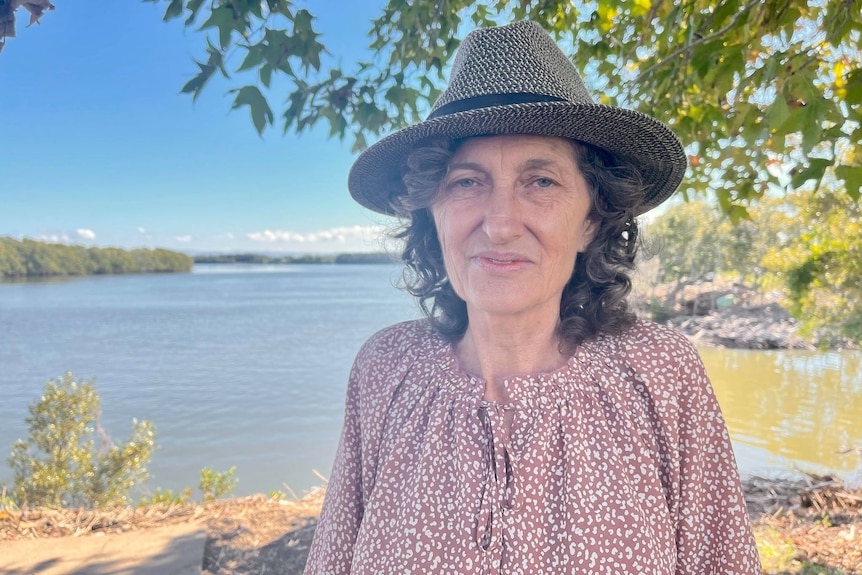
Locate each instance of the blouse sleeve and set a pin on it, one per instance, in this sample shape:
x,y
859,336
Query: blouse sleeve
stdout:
x,y
378,370
713,527
331,551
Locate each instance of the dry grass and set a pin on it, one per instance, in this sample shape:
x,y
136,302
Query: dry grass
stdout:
x,y
807,527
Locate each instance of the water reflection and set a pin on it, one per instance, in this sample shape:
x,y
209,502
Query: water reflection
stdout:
x,y
803,407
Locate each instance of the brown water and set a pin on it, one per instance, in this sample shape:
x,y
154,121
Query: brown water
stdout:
x,y
790,410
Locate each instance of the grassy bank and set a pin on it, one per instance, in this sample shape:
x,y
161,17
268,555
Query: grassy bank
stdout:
x,y
807,527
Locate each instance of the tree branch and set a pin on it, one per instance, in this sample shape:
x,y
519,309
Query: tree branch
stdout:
x,y
699,41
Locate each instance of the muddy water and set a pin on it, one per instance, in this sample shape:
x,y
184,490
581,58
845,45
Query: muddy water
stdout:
x,y
790,410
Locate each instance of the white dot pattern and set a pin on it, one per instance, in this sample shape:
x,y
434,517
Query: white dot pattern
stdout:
x,y
619,462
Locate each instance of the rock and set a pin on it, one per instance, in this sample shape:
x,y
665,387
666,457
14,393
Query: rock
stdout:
x,y
766,326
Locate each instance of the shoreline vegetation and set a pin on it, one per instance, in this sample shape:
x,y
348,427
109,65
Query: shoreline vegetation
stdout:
x,y
31,259
27,259
806,526
361,258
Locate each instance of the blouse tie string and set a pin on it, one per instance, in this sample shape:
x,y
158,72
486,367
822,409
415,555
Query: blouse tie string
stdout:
x,y
498,488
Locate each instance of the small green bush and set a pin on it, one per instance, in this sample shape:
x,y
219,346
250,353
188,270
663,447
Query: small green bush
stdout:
x,y
168,497
217,484
60,464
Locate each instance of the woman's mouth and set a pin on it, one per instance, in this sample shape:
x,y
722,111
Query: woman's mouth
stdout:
x,y
495,262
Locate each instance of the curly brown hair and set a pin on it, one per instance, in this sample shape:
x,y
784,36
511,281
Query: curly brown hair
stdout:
x,y
593,301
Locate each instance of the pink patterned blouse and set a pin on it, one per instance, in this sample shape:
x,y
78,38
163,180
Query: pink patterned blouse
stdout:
x,y
619,462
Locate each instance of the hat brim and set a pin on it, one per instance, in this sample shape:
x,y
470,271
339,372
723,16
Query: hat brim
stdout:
x,y
375,178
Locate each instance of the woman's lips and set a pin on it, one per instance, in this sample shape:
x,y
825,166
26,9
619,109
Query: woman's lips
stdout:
x,y
501,262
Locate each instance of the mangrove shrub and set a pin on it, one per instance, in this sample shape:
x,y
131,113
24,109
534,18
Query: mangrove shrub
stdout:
x,y
68,459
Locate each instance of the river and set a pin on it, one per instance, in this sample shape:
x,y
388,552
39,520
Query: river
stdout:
x,y
246,366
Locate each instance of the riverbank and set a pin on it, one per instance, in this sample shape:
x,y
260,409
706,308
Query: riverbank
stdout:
x,y
720,313
806,526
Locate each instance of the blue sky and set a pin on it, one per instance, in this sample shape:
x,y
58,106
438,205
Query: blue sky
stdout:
x,y
98,147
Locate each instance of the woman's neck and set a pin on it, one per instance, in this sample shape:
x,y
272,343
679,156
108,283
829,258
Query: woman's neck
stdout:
x,y
495,348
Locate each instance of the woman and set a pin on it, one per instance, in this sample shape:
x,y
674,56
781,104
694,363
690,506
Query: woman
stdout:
x,y
531,424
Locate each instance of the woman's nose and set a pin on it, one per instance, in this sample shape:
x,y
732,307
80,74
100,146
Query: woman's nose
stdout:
x,y
502,221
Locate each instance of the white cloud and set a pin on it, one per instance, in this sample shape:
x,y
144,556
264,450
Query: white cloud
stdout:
x,y
53,238
183,239
341,235
142,229
86,234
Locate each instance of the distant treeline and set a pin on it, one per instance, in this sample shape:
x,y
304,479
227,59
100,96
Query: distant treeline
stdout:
x,y
375,258
29,258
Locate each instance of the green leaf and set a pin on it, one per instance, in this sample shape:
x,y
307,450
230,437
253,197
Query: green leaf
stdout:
x,y
778,112
737,214
359,143
723,12
215,62
223,19
704,57
261,113
193,6
724,199
175,9
253,58
302,22
196,84
266,74
854,87
280,7
852,176
814,171
812,126
256,8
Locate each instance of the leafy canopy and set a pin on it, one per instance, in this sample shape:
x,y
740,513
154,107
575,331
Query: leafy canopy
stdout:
x,y
746,85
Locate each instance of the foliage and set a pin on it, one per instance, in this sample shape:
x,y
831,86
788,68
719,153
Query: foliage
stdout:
x,y
36,8
168,497
684,238
30,258
361,258
369,258
61,464
212,485
822,262
807,244
261,259
217,484
745,83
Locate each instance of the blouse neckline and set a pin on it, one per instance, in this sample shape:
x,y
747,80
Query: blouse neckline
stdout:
x,y
522,388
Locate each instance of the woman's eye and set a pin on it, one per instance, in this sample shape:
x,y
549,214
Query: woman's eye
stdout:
x,y
544,182
465,183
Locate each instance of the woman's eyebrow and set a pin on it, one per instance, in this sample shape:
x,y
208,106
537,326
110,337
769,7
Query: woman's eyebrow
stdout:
x,y
536,163
466,166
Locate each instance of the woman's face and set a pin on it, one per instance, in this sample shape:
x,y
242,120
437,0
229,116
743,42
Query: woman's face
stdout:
x,y
511,216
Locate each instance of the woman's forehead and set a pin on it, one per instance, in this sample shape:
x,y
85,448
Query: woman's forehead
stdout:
x,y
525,147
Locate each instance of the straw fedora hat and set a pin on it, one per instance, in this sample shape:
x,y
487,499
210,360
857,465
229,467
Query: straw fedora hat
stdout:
x,y
514,79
